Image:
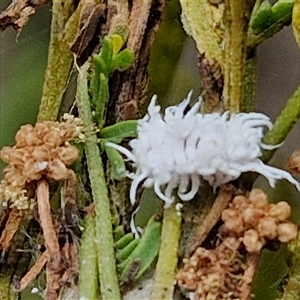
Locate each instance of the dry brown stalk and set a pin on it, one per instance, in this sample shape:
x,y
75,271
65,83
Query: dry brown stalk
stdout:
x,y
11,227
32,273
247,279
44,210
225,195
131,92
53,275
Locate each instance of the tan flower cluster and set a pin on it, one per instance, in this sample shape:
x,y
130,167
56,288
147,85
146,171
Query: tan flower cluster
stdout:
x,y
254,221
41,151
213,274
223,273
294,161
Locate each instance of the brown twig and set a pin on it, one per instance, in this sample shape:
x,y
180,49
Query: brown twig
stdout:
x,y
32,273
130,93
224,197
11,227
247,279
18,12
44,210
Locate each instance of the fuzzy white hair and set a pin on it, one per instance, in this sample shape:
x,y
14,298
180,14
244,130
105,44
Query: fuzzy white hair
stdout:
x,y
178,150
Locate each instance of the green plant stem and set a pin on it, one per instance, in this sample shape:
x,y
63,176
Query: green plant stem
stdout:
x,y
236,26
248,104
168,255
109,286
284,122
88,274
59,62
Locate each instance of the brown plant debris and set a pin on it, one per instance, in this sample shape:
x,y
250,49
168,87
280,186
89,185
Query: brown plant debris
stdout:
x,y
42,153
130,92
11,227
224,272
213,274
90,16
62,269
225,195
35,270
18,12
212,83
44,209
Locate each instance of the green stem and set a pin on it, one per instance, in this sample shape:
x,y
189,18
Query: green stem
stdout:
x,y
88,274
168,255
59,62
283,124
248,104
236,26
103,222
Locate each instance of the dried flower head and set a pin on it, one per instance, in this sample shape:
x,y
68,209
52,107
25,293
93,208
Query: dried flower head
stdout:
x,y
179,148
213,274
254,221
223,272
41,151
294,161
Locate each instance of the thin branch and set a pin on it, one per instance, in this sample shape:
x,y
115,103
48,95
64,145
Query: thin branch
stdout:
x,y
236,26
88,273
59,62
168,255
224,197
44,210
103,221
32,273
283,124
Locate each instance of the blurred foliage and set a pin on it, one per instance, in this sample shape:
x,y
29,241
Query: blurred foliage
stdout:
x,y
272,268
173,66
23,60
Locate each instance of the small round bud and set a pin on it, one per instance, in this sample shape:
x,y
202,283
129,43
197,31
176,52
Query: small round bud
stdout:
x,y
286,232
280,211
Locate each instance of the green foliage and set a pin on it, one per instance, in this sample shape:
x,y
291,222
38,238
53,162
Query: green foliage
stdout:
x,y
272,269
107,61
115,134
262,18
119,131
117,165
267,15
136,255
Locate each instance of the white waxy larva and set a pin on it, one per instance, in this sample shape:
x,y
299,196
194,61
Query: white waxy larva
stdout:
x,y
178,150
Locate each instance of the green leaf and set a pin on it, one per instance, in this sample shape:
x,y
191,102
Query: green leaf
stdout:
x,y
123,31
124,253
124,240
281,9
262,18
100,65
119,131
107,53
101,100
144,254
119,232
117,165
271,270
123,60
117,43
